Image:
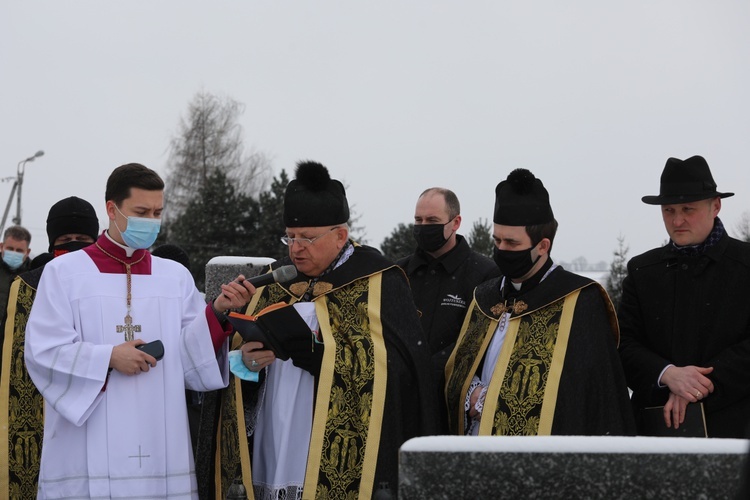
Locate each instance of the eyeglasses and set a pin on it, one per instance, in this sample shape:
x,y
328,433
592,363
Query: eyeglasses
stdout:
x,y
304,242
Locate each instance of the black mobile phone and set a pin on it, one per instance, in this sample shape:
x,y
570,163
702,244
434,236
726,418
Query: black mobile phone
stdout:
x,y
155,349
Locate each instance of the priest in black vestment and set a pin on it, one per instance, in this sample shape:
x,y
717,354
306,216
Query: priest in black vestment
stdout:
x,y
72,224
537,354
330,420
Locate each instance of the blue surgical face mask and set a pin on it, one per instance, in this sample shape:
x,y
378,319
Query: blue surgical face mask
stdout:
x,y
239,369
13,259
141,232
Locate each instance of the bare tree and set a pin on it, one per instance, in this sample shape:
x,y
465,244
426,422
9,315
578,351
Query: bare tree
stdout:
x,y
210,140
743,227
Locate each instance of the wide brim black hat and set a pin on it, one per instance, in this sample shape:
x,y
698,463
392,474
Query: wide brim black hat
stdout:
x,y
685,181
522,200
71,215
313,199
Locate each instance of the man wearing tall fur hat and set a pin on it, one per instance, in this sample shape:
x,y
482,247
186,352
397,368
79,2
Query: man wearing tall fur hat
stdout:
x,y
537,354
684,312
71,225
329,421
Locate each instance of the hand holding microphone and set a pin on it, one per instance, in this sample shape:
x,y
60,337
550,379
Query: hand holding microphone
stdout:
x,y
237,293
280,275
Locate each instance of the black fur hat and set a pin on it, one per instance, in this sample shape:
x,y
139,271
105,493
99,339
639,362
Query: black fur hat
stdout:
x,y
71,216
172,252
313,199
521,200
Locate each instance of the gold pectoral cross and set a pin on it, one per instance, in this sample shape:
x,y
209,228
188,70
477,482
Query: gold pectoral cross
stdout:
x,y
129,328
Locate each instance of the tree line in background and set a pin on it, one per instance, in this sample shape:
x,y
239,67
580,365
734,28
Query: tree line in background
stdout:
x,y
222,200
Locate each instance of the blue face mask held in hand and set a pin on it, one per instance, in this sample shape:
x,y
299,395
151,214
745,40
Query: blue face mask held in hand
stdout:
x,y
239,369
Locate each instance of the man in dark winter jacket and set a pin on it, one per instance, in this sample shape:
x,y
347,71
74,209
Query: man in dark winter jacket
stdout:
x,y
443,272
684,314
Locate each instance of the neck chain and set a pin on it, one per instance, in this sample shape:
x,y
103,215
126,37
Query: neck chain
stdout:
x,y
129,329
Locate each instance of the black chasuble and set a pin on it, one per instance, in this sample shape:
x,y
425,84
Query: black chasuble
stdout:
x,y
21,405
374,390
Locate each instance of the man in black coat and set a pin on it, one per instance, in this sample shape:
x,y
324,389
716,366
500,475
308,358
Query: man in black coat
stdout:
x,y
684,315
443,272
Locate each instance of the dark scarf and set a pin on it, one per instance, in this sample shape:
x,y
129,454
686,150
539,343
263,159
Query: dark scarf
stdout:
x,y
695,250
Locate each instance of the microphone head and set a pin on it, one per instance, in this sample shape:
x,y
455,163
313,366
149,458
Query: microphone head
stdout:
x,y
284,273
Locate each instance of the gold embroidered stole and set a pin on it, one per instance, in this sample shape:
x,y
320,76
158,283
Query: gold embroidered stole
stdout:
x,y
232,457
475,336
349,405
522,394
20,403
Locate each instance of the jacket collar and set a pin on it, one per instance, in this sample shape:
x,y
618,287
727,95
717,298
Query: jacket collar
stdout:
x,y
450,261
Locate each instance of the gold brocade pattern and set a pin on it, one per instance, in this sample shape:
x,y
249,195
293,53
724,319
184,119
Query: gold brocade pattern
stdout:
x,y
230,428
502,307
350,407
522,392
299,288
320,288
464,358
25,415
351,394
228,441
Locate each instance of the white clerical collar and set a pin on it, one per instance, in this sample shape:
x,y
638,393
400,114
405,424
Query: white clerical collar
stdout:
x,y
128,251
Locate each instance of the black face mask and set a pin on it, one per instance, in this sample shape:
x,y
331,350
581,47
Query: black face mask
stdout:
x,y
514,264
430,236
68,247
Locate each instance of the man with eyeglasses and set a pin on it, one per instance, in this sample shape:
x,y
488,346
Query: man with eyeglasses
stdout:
x,y
329,421
443,271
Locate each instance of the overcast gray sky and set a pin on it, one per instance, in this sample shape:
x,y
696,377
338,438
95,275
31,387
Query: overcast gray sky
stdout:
x,y
393,97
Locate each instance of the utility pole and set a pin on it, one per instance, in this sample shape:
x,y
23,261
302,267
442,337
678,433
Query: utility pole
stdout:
x,y
16,189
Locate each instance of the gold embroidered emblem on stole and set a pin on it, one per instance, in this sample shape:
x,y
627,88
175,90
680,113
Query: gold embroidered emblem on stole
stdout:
x,y
525,380
501,308
299,288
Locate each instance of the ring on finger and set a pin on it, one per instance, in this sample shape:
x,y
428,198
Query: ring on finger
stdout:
x,y
253,363
699,394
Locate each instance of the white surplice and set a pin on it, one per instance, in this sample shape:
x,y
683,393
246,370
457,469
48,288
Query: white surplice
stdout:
x,y
282,433
130,440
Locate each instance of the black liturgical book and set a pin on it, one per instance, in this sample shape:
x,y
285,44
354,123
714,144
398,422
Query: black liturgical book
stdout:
x,y
278,327
652,421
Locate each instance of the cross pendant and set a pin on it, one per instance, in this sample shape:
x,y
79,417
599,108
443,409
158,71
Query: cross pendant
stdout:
x,y
129,328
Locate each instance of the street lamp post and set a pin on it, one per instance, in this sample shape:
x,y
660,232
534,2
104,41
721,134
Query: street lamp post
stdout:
x,y
16,189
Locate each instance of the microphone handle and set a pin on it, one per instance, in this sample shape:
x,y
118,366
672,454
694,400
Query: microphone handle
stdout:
x,y
262,280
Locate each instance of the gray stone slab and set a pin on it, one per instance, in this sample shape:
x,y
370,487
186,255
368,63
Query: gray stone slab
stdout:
x,y
659,469
223,269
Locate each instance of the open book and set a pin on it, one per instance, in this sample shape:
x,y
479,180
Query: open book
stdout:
x,y
276,327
